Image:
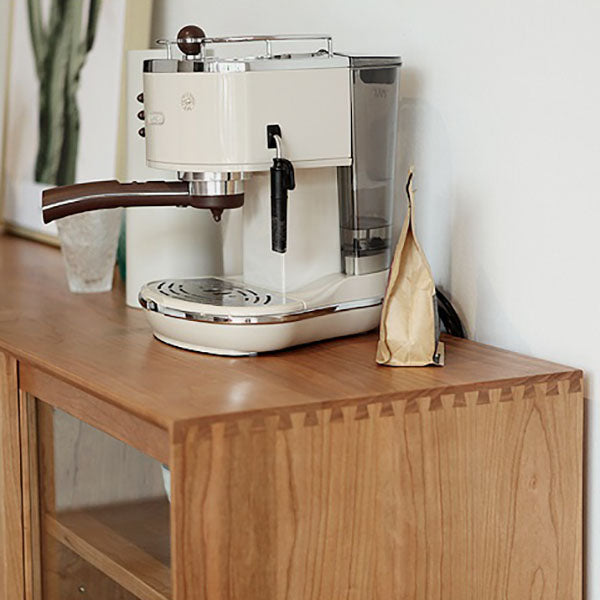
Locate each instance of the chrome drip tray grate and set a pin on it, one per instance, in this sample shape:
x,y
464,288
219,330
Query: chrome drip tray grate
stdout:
x,y
218,292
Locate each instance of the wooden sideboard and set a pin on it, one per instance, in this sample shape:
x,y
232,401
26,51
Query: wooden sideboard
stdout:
x,y
310,474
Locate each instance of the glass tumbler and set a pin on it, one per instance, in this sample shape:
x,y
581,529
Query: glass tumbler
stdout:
x,y
89,246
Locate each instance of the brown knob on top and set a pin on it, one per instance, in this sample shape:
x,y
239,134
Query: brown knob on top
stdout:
x,y
187,32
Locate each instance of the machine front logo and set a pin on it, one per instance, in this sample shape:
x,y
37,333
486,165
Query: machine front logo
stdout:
x,y
188,101
155,118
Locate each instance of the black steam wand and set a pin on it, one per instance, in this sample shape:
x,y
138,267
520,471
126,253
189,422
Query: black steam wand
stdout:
x,y
282,181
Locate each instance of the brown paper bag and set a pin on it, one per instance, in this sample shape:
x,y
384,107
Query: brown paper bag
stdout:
x,y
409,330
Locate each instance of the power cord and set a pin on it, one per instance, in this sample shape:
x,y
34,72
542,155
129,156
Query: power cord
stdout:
x,y
449,317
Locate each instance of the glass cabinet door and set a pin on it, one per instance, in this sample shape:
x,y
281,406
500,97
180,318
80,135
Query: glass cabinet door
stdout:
x,y
103,514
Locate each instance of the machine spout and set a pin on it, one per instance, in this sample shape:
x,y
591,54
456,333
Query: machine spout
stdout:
x,y
69,200
217,213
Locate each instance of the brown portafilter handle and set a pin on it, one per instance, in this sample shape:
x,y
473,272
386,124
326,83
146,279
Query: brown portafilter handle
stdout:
x,y
70,200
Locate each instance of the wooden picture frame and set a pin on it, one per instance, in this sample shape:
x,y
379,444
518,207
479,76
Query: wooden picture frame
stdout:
x,y
5,42
90,143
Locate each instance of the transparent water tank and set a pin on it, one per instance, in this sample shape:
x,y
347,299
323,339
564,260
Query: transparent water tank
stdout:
x,y
367,187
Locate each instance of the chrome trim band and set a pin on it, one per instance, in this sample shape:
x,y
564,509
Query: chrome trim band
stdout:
x,y
272,319
231,187
212,175
217,183
363,265
221,64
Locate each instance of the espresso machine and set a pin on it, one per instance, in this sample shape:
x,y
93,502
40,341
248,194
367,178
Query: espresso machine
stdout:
x,y
302,143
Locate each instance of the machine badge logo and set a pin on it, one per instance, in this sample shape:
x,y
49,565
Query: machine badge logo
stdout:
x,y
155,118
188,101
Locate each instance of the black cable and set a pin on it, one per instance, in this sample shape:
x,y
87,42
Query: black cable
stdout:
x,y
449,317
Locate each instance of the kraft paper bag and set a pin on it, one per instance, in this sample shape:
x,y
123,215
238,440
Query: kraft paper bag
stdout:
x,y
409,329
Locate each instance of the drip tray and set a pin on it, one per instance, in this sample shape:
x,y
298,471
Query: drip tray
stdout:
x,y
218,292
228,301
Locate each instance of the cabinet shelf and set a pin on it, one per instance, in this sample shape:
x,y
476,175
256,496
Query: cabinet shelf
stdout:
x,y
127,542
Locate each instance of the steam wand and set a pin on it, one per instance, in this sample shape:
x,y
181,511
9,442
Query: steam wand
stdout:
x,y
282,181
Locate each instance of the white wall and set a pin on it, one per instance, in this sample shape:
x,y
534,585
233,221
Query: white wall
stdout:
x,y
500,118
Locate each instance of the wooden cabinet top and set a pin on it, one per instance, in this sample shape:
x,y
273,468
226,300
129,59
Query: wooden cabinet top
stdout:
x,y
96,343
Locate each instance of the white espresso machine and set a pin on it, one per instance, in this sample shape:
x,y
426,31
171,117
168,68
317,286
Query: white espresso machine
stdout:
x,y
304,143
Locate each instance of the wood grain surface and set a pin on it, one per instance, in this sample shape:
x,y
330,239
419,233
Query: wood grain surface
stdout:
x,y
73,578
129,543
93,469
97,344
128,428
451,497
11,515
95,492
32,553
309,474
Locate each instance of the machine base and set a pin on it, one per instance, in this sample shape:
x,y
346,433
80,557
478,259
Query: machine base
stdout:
x,y
202,349
227,317
248,340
